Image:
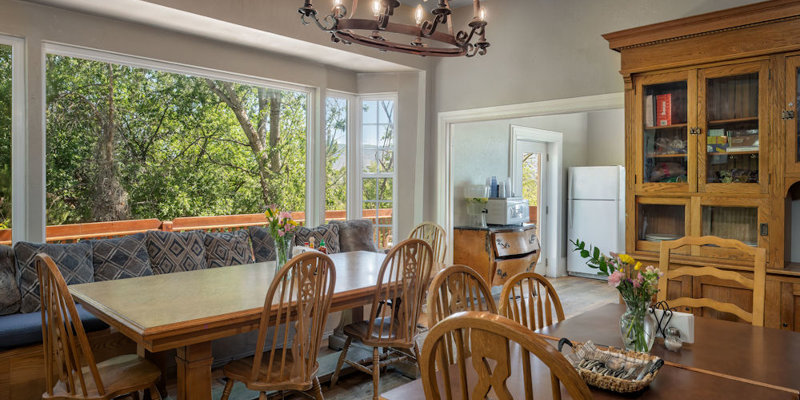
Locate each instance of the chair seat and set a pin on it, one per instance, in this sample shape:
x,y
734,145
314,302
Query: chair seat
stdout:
x,y
120,375
240,370
387,337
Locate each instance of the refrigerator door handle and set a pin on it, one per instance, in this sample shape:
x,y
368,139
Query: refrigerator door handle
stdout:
x,y
571,213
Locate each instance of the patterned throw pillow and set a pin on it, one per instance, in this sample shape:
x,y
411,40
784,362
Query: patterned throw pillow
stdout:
x,y
9,290
120,258
175,252
355,235
224,249
263,244
73,260
330,233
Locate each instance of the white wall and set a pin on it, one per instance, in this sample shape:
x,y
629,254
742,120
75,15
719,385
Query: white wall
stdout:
x,y
606,137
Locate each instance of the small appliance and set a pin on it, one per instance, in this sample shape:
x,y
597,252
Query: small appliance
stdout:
x,y
507,211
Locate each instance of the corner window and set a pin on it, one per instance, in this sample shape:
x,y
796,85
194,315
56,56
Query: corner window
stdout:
x,y
336,128
5,141
378,166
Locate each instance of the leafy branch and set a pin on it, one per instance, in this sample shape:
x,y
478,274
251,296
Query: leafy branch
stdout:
x,y
594,258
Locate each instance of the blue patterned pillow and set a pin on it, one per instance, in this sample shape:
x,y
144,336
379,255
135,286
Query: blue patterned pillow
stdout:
x,y
73,260
175,252
330,233
263,244
120,258
224,249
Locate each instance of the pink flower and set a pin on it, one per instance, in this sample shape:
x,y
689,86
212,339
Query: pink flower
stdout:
x,y
281,232
615,278
637,283
286,215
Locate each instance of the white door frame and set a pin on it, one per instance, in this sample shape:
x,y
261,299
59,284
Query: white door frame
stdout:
x,y
443,185
554,178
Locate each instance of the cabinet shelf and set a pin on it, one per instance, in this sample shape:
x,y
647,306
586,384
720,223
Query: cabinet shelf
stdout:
x,y
654,155
733,120
733,153
657,127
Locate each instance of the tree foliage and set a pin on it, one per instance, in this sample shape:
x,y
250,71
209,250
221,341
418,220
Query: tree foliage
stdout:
x,y
5,136
179,146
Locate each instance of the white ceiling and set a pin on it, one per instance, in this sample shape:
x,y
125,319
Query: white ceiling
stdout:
x,y
453,3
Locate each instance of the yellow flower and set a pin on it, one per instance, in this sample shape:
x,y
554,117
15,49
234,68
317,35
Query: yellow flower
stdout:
x,y
638,265
626,259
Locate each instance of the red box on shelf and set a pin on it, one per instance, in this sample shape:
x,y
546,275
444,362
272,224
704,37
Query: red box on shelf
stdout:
x,y
664,109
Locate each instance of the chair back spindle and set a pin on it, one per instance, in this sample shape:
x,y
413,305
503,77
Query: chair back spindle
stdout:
x,y
64,340
435,236
530,299
302,289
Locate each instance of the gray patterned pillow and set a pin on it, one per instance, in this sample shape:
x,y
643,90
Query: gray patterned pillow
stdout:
x,y
120,258
74,260
9,290
263,244
355,235
224,249
330,233
175,252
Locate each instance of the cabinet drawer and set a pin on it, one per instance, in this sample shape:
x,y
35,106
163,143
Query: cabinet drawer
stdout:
x,y
515,243
505,269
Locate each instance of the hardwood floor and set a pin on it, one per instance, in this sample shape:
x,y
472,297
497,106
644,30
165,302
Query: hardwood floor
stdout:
x,y
577,295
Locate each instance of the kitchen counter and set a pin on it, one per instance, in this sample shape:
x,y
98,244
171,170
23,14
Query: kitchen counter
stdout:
x,y
499,228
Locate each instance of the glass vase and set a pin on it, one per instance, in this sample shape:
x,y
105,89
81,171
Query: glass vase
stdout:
x,y
638,326
283,251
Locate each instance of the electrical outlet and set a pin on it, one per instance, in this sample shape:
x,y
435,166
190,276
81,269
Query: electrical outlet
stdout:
x,y
683,322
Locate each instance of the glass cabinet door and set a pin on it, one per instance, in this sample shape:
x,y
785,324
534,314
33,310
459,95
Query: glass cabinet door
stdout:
x,y
664,139
659,219
731,129
738,219
789,114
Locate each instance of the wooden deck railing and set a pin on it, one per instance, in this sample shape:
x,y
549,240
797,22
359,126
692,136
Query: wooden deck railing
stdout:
x,y
72,233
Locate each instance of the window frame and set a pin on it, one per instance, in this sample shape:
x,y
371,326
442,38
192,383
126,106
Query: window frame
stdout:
x,y
19,115
313,133
350,156
359,167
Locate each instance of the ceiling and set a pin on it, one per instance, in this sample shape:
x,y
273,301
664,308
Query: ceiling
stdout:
x,y
453,3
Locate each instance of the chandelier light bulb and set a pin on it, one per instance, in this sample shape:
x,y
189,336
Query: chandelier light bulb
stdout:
x,y
418,14
376,7
337,3
483,14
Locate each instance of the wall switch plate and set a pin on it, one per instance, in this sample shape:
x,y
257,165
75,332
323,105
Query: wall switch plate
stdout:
x,y
683,322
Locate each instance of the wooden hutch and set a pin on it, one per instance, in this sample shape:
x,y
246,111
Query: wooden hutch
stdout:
x,y
712,148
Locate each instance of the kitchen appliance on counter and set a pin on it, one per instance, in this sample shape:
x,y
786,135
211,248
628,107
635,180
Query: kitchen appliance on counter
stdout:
x,y
596,213
507,211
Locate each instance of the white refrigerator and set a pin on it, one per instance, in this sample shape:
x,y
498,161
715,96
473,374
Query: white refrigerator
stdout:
x,y
595,213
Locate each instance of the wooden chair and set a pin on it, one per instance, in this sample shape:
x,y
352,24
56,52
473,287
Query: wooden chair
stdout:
x,y
521,300
757,284
435,236
493,360
68,357
402,281
458,288
302,289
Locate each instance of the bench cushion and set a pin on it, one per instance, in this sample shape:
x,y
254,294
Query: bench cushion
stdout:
x,y
224,249
175,252
329,233
355,235
9,290
74,260
263,244
120,258
18,330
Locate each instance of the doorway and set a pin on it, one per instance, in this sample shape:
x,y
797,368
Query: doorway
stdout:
x,y
531,164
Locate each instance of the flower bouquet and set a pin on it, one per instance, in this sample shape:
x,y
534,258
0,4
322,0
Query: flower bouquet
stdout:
x,y
282,229
636,284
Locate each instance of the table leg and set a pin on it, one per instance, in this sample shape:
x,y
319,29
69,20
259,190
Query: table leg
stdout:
x,y
337,338
194,371
161,362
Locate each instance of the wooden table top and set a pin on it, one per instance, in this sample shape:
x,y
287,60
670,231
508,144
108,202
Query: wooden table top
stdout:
x,y
153,309
736,350
670,383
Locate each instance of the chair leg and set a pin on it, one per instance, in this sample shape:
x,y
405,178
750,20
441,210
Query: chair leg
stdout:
x,y
376,372
416,354
342,357
262,396
154,393
316,390
227,391
135,395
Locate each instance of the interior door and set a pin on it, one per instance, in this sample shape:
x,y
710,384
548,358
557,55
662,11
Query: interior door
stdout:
x,y
531,183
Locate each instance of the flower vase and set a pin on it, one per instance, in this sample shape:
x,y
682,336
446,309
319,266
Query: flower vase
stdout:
x,y
638,326
283,251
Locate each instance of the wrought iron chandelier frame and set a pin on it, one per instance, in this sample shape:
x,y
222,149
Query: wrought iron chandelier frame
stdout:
x,y
345,29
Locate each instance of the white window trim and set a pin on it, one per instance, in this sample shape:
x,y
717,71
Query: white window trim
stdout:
x,y
357,197
19,143
312,95
350,160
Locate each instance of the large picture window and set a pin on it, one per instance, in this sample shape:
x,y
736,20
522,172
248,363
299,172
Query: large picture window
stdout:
x,y
336,129
130,143
5,138
378,166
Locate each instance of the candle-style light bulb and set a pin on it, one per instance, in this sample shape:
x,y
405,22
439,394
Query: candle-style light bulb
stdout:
x,y
337,3
376,7
483,14
418,14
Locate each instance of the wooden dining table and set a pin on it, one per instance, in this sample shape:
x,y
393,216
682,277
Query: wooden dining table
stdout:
x,y
188,310
728,360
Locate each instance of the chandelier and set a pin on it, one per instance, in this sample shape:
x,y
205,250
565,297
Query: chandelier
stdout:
x,y
424,39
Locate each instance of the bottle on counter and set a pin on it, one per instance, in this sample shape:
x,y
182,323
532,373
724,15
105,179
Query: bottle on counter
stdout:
x,y
322,249
311,242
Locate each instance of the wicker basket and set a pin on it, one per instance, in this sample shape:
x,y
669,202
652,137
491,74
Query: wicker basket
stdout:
x,y
615,384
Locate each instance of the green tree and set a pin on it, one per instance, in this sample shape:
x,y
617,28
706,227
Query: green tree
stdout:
x,y
5,136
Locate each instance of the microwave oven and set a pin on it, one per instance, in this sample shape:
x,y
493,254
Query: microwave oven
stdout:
x,y
507,211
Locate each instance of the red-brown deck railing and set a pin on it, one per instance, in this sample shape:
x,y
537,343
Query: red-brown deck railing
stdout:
x,y
102,230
